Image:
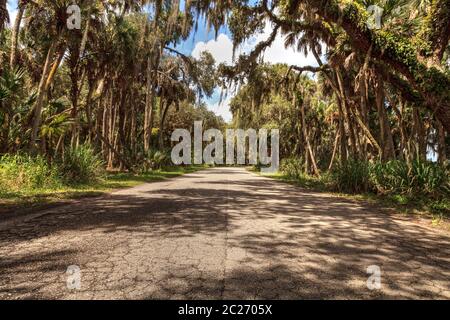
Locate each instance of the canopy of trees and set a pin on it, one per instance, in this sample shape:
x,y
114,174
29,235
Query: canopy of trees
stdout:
x,y
377,94
114,83
117,83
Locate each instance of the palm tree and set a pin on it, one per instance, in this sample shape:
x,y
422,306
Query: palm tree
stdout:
x,y
51,16
16,30
54,126
4,16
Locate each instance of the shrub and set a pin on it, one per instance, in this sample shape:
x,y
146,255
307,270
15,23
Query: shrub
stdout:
x,y
351,176
428,177
389,177
24,172
421,177
80,165
157,159
292,167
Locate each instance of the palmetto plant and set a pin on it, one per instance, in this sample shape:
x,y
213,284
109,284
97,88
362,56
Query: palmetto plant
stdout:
x,y
80,164
55,123
351,176
419,178
293,167
404,16
11,82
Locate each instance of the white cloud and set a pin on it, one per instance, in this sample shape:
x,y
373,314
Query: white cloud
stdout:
x,y
220,48
277,53
222,109
12,10
222,51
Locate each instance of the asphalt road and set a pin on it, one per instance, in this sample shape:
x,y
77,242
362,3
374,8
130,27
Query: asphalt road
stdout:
x,y
222,233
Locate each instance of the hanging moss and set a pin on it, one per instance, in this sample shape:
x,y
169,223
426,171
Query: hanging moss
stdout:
x,y
435,27
431,82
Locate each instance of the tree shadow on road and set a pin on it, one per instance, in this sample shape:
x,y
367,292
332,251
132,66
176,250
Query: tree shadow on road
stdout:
x,y
282,242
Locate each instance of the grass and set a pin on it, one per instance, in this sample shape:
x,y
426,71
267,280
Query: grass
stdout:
x,y
309,182
436,210
34,198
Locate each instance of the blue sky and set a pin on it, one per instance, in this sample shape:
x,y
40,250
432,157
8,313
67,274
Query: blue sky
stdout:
x,y
11,5
222,50
202,34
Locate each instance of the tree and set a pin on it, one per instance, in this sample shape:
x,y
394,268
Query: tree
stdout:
x,y
4,16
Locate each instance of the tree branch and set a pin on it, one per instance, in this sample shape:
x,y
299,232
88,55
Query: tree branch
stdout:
x,y
398,53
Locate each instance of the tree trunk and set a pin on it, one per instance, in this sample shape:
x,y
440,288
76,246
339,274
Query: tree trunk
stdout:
x,y
121,122
420,134
150,100
148,106
105,130
359,118
40,97
89,112
74,92
363,93
133,131
342,144
346,109
308,144
86,32
113,150
54,69
428,82
386,139
164,108
15,34
442,146
112,130
3,14
333,155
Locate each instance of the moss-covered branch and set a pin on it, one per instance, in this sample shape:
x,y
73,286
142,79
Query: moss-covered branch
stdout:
x,y
398,53
435,33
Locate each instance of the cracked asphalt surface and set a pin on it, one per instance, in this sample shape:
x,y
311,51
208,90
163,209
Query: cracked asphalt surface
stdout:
x,y
222,233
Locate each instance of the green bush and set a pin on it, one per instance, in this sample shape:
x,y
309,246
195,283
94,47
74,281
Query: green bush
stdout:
x,y
80,165
292,167
351,176
23,172
390,177
428,177
422,177
159,159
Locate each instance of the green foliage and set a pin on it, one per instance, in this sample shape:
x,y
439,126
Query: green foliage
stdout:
x,y
292,167
393,177
351,176
156,159
10,84
400,49
441,206
421,177
22,173
80,165
390,176
56,125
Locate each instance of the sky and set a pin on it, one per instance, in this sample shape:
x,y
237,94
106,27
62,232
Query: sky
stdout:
x,y
221,48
